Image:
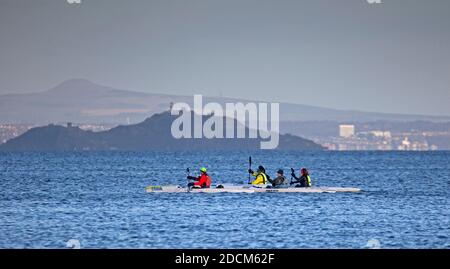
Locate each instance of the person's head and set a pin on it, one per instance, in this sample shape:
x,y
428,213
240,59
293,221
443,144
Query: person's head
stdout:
x,y
261,169
280,172
304,172
203,170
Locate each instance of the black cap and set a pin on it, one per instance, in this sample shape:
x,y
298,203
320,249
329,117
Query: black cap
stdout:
x,y
261,168
280,171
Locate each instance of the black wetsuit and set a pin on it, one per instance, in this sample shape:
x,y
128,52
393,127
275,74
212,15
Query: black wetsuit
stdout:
x,y
301,181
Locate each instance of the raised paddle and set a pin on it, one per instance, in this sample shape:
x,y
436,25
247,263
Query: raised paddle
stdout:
x,y
292,171
249,167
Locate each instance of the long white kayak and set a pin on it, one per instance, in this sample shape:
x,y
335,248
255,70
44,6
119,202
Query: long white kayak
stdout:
x,y
247,189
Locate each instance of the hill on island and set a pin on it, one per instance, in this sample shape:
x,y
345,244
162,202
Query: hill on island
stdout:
x,y
154,133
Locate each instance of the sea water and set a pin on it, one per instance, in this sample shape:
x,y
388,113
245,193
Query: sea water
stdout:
x,y
98,200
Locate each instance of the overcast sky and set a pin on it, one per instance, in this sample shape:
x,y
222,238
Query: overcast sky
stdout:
x,y
348,54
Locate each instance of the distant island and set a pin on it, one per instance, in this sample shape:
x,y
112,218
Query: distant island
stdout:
x,y
151,134
94,106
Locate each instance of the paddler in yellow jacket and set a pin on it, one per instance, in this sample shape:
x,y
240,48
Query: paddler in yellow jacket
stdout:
x,y
260,176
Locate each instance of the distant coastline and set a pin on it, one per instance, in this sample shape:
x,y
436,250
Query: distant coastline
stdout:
x,y
151,134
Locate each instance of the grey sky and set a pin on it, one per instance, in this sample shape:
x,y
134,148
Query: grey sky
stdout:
x,y
348,54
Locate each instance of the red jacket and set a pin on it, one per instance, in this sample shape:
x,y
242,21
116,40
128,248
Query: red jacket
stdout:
x,y
204,181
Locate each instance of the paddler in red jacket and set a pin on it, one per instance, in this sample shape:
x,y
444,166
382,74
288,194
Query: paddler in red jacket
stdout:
x,y
203,181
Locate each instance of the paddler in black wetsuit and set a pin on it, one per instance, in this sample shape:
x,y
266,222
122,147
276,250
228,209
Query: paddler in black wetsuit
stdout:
x,y
303,181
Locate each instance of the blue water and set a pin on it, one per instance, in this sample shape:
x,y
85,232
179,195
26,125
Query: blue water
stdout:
x,y
99,199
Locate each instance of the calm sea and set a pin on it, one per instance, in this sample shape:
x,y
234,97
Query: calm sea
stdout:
x,y
99,200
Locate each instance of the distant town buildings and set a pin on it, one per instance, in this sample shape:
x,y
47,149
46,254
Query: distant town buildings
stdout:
x,y
383,134
345,137
9,131
96,127
405,145
349,139
346,130
415,145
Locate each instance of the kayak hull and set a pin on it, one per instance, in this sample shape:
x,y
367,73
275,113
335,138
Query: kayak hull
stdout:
x,y
247,189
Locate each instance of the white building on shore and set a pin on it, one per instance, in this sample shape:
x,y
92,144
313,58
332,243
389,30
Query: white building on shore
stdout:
x,y
346,130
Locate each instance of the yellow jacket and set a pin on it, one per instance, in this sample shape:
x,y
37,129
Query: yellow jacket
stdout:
x,y
261,178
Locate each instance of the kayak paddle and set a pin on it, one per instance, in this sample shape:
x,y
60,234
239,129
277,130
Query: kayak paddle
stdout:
x,y
249,167
292,171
